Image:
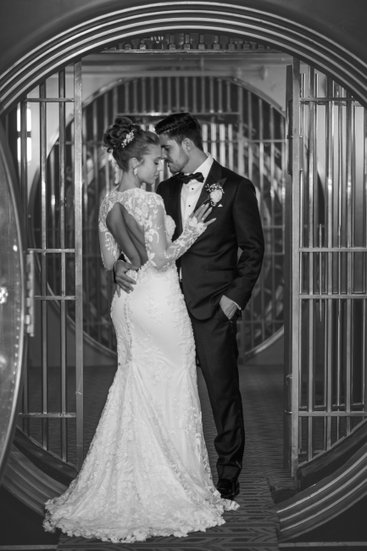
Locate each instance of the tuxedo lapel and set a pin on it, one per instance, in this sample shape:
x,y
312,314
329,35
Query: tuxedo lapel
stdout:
x,y
214,175
176,205
178,208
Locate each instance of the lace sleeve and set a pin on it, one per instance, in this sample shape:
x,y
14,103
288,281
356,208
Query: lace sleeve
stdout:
x,y
160,252
109,248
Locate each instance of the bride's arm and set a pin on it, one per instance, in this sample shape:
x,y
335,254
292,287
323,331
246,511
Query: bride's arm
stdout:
x,y
108,246
161,253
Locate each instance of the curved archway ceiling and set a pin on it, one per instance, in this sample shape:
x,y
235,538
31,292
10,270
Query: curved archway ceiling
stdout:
x,y
212,17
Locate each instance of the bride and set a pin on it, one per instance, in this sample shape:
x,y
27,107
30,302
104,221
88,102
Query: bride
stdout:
x,y
147,471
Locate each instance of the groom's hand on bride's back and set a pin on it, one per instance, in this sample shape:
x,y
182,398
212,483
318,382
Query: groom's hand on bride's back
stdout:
x,y
122,280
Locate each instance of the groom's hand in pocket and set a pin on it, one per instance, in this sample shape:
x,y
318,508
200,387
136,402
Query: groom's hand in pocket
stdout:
x,y
229,307
122,280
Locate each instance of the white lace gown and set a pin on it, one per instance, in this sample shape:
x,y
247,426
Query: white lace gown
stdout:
x,y
147,471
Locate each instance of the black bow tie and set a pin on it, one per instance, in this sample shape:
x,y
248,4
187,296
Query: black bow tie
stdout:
x,y
185,178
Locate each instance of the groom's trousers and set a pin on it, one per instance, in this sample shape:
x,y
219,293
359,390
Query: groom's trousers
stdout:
x,y
217,352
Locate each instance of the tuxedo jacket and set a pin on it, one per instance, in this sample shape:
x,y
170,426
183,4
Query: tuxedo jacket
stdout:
x,y
226,259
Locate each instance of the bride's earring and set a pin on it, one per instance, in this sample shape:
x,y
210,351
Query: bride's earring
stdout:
x,y
135,171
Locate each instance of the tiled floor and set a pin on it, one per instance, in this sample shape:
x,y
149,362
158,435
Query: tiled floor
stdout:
x,y
254,526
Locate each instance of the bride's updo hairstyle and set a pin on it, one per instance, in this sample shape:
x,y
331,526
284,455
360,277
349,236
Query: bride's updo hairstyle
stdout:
x,y
125,140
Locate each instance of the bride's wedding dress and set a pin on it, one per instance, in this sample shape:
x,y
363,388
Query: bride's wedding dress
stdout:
x,y
147,471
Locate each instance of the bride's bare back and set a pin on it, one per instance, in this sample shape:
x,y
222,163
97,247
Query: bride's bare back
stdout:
x,y
128,234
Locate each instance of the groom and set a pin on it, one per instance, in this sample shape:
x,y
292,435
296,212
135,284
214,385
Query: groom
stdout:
x,y
216,280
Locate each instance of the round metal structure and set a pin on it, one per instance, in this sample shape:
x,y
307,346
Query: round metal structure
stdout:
x,y
11,303
241,129
94,33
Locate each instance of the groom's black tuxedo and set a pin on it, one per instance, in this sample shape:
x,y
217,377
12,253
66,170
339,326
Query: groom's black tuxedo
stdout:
x,y
212,267
225,260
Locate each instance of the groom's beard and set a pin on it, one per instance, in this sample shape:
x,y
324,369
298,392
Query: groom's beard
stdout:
x,y
173,170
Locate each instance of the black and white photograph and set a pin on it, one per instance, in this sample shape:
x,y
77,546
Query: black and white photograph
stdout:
x,y
183,275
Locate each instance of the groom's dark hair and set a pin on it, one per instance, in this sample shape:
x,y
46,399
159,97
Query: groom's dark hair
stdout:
x,y
180,126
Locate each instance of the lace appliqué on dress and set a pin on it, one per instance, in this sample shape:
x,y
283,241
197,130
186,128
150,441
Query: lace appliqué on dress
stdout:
x,y
110,250
147,470
148,209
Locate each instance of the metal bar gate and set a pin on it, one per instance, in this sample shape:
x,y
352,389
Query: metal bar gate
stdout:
x,y
327,214
52,408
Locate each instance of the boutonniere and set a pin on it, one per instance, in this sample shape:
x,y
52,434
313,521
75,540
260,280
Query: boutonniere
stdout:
x,y
216,192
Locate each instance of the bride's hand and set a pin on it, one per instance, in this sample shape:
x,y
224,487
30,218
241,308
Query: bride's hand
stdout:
x,y
202,213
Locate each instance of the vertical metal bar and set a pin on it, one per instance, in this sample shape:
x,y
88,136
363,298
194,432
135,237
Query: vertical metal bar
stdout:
x,y
295,218
24,201
143,85
230,146
340,211
186,102
311,184
211,108
329,121
213,139
52,202
135,96
240,134
115,106
178,103
228,106
108,180
350,133
78,259
44,210
127,98
62,191
213,124
24,157
272,229
250,126
90,223
222,143
160,93
152,96
203,95
283,184
106,122
220,107
193,84
303,142
260,135
205,135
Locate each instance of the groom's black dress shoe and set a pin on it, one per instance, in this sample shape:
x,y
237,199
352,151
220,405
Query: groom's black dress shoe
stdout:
x,y
227,488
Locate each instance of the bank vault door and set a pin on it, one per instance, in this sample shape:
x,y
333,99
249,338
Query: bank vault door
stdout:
x,y
326,327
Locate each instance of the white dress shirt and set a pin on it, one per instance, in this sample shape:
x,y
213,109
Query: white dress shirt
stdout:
x,y
190,192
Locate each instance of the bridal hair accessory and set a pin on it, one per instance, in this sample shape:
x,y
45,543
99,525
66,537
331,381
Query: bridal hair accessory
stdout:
x,y
128,139
215,191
